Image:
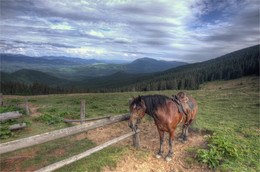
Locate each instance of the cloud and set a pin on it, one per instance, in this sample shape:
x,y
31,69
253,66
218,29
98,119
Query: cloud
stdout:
x,y
190,30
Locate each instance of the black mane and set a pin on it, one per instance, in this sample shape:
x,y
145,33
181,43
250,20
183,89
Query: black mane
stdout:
x,y
152,102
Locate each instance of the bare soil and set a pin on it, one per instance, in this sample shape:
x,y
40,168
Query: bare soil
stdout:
x,y
16,158
34,110
149,138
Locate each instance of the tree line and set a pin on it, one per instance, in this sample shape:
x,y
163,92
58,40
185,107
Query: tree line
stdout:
x,y
20,88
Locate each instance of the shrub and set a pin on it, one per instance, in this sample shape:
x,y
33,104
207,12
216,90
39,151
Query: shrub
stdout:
x,y
5,132
49,119
219,148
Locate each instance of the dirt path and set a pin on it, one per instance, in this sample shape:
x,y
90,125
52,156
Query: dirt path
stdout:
x,y
149,142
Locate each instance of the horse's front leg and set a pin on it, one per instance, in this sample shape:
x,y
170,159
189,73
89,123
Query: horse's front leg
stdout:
x,y
169,155
160,153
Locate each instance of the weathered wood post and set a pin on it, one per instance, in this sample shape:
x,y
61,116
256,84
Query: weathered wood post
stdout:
x,y
136,138
1,98
82,113
27,106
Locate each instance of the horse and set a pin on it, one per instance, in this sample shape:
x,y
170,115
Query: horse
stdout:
x,y
166,116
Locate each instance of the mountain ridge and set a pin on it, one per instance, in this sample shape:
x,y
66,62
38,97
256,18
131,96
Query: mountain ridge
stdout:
x,y
77,69
233,65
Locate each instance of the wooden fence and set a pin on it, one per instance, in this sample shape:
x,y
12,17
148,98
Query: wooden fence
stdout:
x,y
46,137
84,154
57,134
26,108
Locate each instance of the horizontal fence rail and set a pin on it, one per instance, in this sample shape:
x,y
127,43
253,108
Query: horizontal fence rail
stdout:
x,y
16,126
46,137
88,119
10,116
84,154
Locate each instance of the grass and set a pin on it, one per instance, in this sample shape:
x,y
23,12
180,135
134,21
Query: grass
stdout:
x,y
228,109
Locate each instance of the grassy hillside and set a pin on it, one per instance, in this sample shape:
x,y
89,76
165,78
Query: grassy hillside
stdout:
x,y
228,110
30,76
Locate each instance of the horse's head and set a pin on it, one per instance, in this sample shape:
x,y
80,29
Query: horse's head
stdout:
x,y
137,112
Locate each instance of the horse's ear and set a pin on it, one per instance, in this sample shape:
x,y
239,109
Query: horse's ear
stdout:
x,y
133,98
139,98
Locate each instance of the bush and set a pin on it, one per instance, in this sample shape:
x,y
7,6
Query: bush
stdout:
x,y
219,148
5,132
49,119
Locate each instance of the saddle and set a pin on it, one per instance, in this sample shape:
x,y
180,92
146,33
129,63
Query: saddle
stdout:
x,y
184,104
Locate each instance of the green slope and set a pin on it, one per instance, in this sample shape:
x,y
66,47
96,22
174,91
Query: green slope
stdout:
x,y
30,76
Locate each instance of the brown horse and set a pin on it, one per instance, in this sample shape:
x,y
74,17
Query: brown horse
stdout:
x,y
166,117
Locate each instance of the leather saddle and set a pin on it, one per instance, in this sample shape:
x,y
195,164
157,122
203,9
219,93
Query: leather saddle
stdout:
x,y
184,104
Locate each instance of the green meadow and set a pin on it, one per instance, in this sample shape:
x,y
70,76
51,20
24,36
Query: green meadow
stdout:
x,y
228,111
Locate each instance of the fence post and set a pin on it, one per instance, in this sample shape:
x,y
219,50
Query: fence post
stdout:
x,y
82,113
136,138
1,98
27,106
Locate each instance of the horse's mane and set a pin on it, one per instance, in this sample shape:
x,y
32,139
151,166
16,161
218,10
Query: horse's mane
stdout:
x,y
152,102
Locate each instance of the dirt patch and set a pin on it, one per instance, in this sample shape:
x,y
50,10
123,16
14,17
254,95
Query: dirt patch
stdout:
x,y
149,138
81,136
7,163
58,152
34,110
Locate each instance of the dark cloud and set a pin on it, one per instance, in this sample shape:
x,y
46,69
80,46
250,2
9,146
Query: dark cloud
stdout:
x,y
245,26
185,30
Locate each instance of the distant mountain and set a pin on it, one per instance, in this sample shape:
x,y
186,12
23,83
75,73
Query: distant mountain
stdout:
x,y
149,65
51,60
143,65
80,69
98,75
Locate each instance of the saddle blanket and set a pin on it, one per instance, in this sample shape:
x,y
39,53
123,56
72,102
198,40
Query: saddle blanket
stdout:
x,y
190,104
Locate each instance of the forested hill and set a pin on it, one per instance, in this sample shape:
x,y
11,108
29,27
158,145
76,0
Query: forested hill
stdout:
x,y
230,66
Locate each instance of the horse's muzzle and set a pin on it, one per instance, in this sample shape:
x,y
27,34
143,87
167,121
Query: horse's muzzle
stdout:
x,y
132,126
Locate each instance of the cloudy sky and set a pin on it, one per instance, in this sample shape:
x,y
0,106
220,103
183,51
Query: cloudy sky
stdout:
x,y
182,30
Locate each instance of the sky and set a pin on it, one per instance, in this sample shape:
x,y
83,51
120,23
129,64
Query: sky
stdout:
x,y
179,30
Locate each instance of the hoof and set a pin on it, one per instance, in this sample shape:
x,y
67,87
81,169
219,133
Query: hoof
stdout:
x,y
180,138
158,156
168,159
184,141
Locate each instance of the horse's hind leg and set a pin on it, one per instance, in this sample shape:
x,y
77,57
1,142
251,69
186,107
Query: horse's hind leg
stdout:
x,y
185,136
160,153
180,137
169,155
